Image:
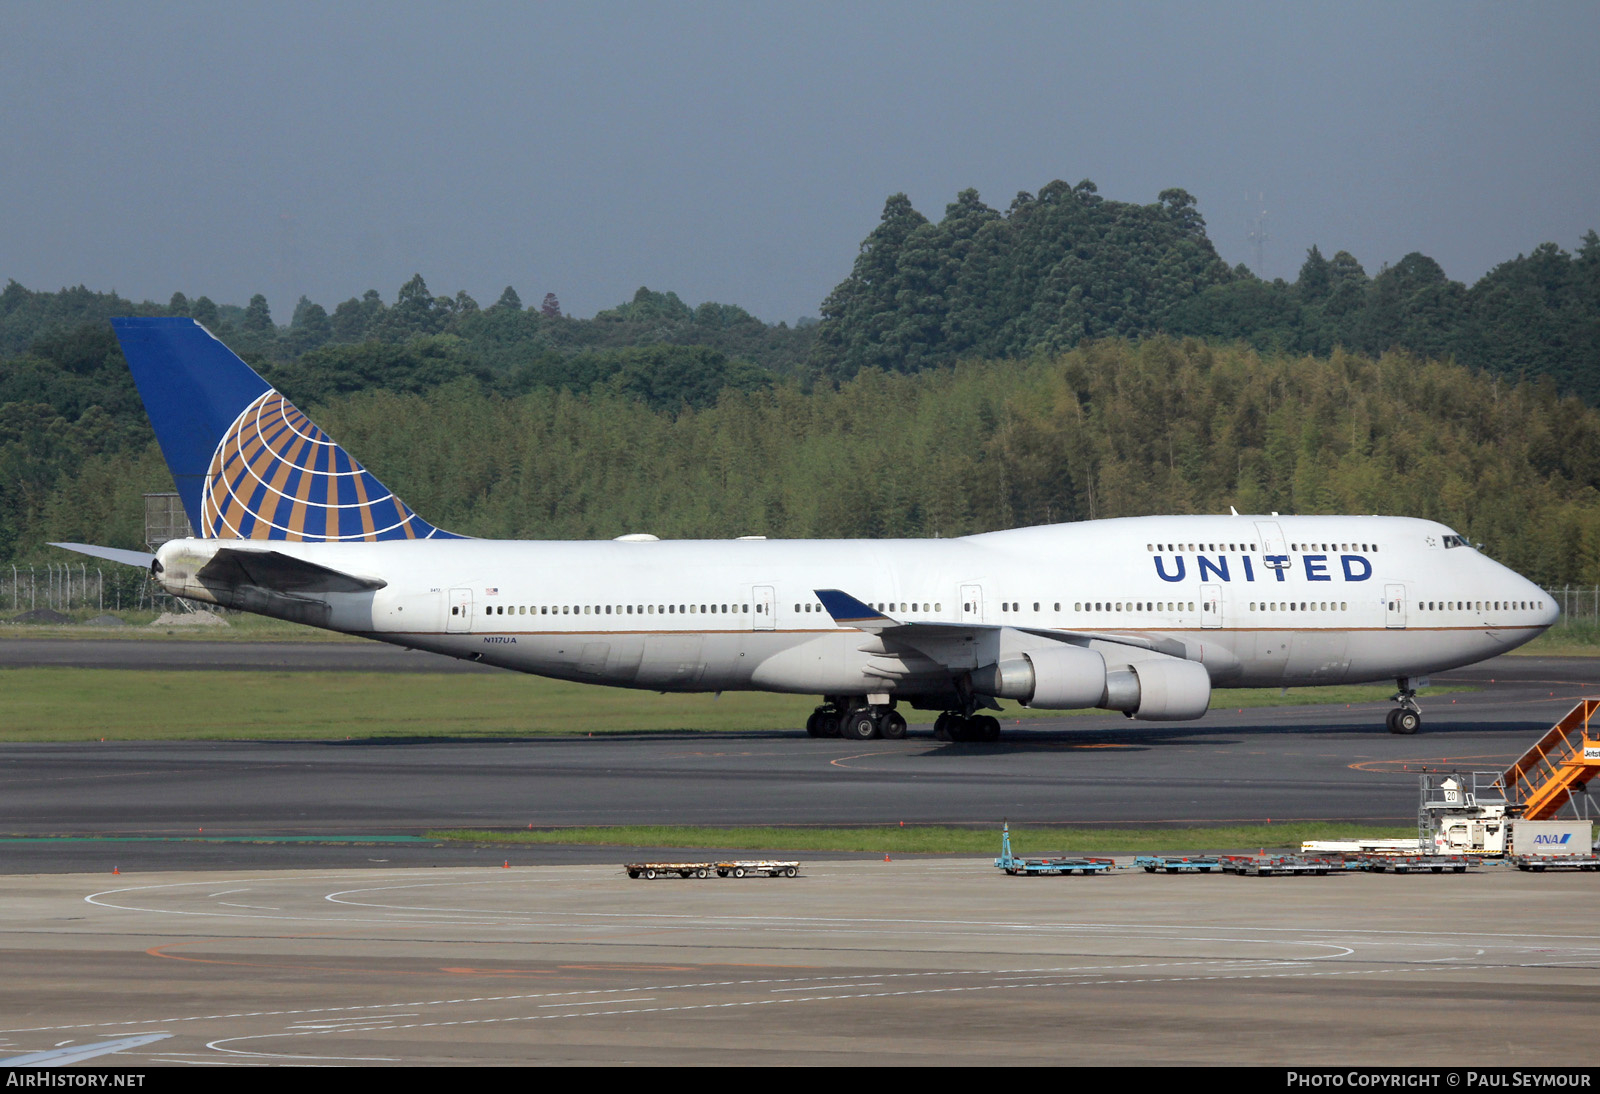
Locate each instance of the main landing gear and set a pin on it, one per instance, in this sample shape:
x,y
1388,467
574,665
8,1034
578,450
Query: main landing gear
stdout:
x,y
1407,717
953,726
856,722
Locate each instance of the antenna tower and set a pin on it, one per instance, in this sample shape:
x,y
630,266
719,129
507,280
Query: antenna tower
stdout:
x,y
1258,234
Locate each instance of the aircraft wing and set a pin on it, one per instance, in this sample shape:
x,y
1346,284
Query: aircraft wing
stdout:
x,y
934,638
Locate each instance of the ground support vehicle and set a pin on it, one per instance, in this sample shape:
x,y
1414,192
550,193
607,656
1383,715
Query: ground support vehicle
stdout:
x,y
1041,867
1280,865
1179,864
761,867
1015,866
652,870
1418,864
1554,862
764,867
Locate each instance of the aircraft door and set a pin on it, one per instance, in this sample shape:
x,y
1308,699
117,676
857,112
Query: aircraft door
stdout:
x,y
460,618
972,603
765,608
1271,537
1211,606
1394,597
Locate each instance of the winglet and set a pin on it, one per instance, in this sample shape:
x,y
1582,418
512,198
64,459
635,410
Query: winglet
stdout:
x,y
851,612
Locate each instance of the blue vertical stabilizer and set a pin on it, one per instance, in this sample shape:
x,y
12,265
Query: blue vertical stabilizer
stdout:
x,y
247,463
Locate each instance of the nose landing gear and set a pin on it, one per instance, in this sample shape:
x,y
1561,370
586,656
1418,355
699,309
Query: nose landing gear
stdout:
x,y
1406,718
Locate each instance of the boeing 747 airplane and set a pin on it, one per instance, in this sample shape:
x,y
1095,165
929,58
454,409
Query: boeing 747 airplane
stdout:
x,y
1143,615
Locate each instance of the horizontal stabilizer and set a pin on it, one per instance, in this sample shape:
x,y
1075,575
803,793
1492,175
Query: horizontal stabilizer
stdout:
x,y
141,559
280,573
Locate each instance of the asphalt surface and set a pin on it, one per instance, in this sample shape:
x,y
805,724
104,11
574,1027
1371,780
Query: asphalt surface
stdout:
x,y
277,903
910,963
205,805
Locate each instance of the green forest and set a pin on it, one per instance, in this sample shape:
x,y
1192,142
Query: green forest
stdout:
x,y
1068,358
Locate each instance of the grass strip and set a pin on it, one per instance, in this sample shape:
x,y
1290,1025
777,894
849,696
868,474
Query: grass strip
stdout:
x,y
242,627
76,704
942,840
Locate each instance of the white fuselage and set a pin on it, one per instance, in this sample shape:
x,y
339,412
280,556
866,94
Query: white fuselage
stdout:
x,y
1260,601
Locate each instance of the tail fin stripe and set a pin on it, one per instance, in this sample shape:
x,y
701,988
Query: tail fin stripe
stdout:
x,y
362,507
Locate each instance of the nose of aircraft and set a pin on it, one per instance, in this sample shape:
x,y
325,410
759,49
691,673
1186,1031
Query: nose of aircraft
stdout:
x,y
1546,611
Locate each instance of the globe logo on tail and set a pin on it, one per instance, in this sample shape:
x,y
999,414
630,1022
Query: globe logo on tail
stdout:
x,y
275,475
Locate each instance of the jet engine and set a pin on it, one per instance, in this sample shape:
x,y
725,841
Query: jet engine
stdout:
x,y
1161,689
1057,678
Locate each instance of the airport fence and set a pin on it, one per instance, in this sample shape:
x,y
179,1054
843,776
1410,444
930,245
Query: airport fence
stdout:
x,y
1579,603
76,588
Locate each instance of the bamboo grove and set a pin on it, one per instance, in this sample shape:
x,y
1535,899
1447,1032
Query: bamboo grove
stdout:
x,y
1112,428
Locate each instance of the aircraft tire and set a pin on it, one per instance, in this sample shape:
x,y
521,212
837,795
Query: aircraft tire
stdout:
x,y
893,727
814,724
860,725
987,728
1407,722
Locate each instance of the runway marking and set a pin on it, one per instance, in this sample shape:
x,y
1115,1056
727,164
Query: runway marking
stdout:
x,y
1383,766
1229,935
771,1000
622,1001
528,996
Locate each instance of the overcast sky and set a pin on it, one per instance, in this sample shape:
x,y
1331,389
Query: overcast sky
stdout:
x,y
740,152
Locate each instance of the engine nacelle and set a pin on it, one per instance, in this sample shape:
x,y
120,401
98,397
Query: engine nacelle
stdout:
x,y
1159,690
1056,678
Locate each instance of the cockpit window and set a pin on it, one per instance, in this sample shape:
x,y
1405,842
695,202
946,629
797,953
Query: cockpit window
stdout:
x,y
1455,541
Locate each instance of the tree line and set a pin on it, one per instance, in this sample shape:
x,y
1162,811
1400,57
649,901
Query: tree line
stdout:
x,y
1066,264
923,378
1115,427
